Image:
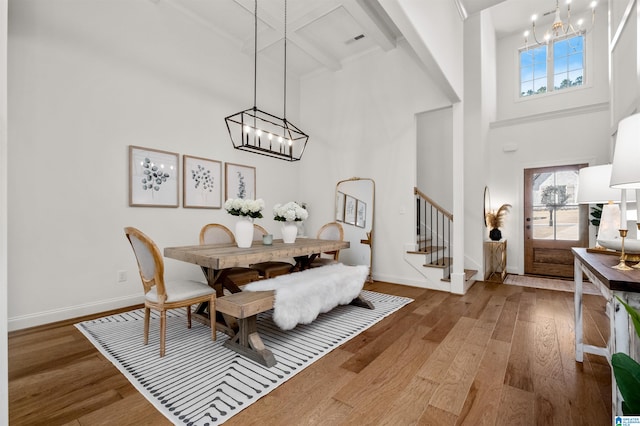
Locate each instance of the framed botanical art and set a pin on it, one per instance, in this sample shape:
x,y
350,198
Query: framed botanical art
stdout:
x,y
202,183
349,210
240,181
361,213
153,177
339,206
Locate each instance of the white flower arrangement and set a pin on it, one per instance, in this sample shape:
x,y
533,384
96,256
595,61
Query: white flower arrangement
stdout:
x,y
289,212
242,207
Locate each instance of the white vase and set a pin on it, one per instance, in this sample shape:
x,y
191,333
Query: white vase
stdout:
x,y
244,232
289,232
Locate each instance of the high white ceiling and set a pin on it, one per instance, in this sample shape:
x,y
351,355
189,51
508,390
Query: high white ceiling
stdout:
x,y
322,34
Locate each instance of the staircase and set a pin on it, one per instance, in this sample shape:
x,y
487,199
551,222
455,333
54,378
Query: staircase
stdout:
x,y
431,253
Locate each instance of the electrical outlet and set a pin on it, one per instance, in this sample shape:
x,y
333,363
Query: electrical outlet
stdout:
x,y
122,276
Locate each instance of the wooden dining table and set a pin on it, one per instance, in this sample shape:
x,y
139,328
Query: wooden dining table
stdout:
x,y
216,257
213,258
219,256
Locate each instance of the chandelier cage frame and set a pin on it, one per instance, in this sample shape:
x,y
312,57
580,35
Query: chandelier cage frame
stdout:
x,y
260,132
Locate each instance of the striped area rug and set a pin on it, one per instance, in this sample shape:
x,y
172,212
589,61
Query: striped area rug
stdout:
x,y
199,381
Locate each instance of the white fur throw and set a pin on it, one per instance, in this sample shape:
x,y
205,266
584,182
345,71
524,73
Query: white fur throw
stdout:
x,y
300,297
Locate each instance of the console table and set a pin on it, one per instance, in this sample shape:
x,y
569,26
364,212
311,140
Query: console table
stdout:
x,y
611,282
495,260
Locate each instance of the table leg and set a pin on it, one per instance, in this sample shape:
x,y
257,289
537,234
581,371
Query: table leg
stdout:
x,y
214,281
303,262
247,342
225,323
577,300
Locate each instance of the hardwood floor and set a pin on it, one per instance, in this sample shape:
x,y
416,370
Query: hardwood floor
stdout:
x,y
500,354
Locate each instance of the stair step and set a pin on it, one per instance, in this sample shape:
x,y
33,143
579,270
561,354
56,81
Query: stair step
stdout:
x,y
440,263
468,273
427,250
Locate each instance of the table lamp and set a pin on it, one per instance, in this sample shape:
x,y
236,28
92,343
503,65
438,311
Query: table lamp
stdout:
x,y
593,188
625,171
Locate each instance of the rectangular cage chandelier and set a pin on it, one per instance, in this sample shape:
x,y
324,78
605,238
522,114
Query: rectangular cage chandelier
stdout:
x,y
257,131
262,133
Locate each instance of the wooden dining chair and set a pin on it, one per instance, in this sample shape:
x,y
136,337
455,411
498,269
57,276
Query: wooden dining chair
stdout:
x,y
272,268
216,233
163,295
329,231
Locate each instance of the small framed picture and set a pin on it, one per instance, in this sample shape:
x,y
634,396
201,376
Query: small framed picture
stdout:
x,y
240,181
153,177
361,213
339,206
349,210
202,183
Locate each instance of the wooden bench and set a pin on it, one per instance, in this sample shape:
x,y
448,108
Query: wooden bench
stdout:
x,y
245,307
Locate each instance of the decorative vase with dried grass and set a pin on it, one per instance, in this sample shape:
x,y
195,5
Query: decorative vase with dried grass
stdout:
x,y
495,220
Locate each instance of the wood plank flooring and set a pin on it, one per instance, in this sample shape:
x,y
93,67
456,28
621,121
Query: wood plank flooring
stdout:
x,y
500,354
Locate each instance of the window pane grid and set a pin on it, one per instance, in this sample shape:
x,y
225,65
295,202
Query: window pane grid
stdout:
x,y
533,71
555,207
566,59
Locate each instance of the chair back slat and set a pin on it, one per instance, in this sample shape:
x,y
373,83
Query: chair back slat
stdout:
x,y
145,258
150,263
258,232
215,233
331,231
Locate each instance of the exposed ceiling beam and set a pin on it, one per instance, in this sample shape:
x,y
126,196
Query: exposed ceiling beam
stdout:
x,y
278,25
203,22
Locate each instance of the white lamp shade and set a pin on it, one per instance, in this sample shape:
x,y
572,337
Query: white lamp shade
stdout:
x,y
593,185
625,171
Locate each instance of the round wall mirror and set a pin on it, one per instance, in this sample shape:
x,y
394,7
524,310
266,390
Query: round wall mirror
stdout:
x,y
354,210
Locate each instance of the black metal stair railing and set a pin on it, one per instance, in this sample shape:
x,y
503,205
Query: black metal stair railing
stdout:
x,y
433,232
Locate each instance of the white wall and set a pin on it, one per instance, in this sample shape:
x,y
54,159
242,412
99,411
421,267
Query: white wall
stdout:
x,y
595,89
4,364
363,119
559,128
434,30
480,110
434,148
86,80
625,68
576,139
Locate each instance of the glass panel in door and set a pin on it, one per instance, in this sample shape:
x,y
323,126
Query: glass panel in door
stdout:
x,y
554,221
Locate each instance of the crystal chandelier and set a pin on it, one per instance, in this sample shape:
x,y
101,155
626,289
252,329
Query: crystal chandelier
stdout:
x,y
262,133
559,28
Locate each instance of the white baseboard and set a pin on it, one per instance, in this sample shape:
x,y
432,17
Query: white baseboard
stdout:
x,y
54,315
436,285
